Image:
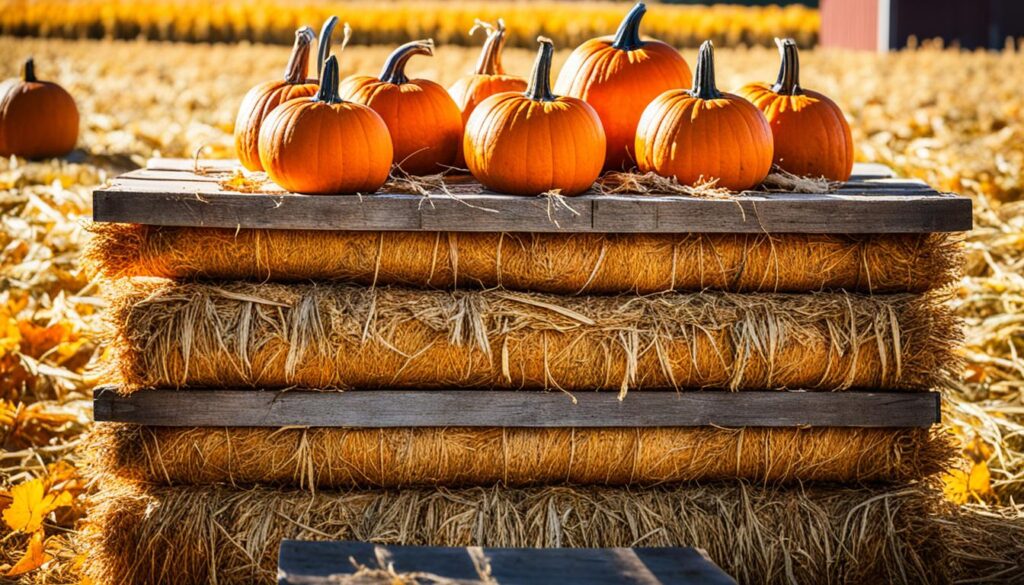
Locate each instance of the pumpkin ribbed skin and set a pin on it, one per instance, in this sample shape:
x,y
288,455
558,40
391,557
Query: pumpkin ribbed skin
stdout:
x,y
38,119
619,77
425,123
528,144
703,134
263,98
812,136
324,145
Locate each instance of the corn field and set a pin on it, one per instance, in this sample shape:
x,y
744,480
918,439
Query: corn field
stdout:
x,y
397,21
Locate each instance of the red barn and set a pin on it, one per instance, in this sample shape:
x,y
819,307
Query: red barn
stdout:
x,y
883,25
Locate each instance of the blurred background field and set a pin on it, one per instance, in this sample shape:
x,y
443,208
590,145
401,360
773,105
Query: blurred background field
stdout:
x,y
952,118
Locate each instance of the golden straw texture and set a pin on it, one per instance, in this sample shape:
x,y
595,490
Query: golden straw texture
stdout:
x,y
183,535
554,263
452,457
236,334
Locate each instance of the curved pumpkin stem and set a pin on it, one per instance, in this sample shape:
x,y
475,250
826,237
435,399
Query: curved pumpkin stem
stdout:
x,y
627,38
704,75
540,80
324,45
298,64
30,70
789,72
394,67
328,92
490,56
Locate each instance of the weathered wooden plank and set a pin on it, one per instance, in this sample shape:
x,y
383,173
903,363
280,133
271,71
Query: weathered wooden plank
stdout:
x,y
321,562
473,408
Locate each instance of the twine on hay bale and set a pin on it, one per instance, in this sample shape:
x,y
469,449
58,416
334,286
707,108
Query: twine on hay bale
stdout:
x,y
402,457
554,263
237,334
184,535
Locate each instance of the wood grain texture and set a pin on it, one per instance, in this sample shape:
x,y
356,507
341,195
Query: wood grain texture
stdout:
x,y
169,192
315,562
484,408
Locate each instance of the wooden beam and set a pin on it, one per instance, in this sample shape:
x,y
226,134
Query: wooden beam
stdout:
x,y
484,408
171,193
320,562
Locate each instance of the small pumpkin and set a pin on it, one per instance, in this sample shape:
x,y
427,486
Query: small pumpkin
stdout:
x,y
38,119
619,76
702,134
812,137
534,142
263,98
424,122
487,79
324,144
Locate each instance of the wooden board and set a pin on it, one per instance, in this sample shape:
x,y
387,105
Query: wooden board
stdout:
x,y
322,562
483,408
169,192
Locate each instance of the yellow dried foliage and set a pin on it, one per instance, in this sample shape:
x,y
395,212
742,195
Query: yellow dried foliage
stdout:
x,y
396,21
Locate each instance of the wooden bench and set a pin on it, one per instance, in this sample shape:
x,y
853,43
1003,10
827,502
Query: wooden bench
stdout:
x,y
328,562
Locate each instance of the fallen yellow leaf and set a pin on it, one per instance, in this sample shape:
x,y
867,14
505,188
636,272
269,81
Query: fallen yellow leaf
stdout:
x,y
33,558
30,505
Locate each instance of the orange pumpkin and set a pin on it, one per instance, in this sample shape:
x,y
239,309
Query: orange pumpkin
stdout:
x,y
528,144
262,99
812,137
619,76
488,79
324,144
703,134
38,119
424,122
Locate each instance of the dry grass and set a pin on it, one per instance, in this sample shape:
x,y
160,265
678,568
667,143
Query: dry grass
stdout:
x,y
179,535
951,118
553,263
238,334
455,457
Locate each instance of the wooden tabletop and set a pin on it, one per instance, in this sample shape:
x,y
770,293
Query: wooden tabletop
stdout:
x,y
170,193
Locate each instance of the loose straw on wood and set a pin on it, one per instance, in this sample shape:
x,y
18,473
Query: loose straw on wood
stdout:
x,y
236,334
186,535
556,263
402,457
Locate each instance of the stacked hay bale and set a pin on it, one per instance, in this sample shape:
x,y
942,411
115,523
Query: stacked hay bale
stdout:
x,y
306,311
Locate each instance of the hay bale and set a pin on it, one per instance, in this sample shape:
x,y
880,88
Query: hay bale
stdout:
x,y
237,334
185,535
454,457
554,263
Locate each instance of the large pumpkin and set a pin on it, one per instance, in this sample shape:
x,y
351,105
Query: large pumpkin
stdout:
x,y
619,76
38,119
528,144
486,80
812,137
325,145
263,98
424,122
702,134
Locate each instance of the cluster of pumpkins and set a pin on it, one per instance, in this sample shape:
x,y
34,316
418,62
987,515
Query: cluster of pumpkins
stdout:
x,y
38,119
618,101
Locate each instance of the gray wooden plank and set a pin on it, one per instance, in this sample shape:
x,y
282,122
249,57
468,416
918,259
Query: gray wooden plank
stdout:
x,y
483,408
322,562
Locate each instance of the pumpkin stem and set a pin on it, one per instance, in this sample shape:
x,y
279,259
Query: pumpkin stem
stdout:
x,y
394,67
704,75
30,70
490,56
298,64
324,45
627,38
789,72
328,92
540,80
